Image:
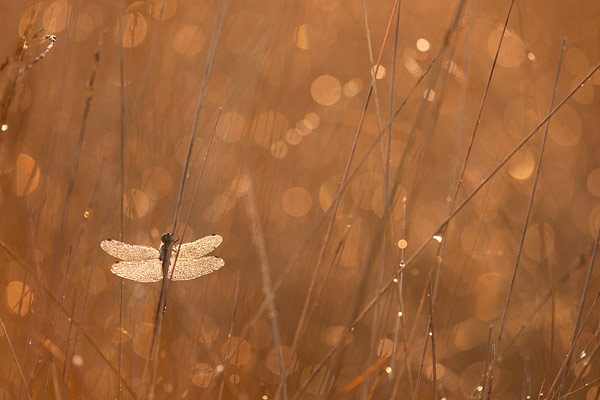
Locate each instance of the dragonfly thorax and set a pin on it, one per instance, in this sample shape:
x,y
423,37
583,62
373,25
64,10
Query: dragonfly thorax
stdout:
x,y
167,241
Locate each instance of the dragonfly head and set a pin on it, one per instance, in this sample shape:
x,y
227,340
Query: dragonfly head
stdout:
x,y
166,237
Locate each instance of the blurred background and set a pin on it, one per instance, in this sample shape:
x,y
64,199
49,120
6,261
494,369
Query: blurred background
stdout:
x,y
294,158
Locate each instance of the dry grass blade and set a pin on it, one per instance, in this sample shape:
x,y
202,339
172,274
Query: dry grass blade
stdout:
x,y
82,130
386,287
198,180
573,266
163,294
54,300
15,359
226,364
122,169
586,362
528,212
201,97
579,314
304,314
331,210
259,242
377,366
398,215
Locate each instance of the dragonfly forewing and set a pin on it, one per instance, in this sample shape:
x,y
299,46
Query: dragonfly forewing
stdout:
x,y
199,248
128,252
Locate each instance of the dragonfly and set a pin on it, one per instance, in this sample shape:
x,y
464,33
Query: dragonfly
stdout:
x,y
144,264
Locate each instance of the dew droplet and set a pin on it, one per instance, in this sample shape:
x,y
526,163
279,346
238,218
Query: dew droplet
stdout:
x,y
423,45
4,127
379,71
429,95
437,238
77,360
86,214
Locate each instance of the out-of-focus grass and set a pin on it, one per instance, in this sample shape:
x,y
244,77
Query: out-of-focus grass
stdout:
x,y
295,180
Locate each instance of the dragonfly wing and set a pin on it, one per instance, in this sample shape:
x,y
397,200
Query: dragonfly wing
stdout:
x,y
139,271
128,252
200,247
192,268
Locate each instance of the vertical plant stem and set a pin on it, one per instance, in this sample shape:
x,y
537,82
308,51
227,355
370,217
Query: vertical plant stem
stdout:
x,y
122,200
579,314
529,208
226,364
259,242
16,360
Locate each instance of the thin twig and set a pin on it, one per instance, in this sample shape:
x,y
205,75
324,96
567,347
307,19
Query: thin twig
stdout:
x,y
64,378
12,350
454,192
409,262
578,262
334,204
226,364
201,97
529,208
401,310
122,200
377,237
305,314
259,242
483,98
579,314
53,298
587,361
420,370
374,244
194,195
485,364
387,166
432,334
584,386
86,291
61,296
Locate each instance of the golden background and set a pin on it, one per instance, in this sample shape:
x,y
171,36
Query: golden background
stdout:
x,y
298,93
